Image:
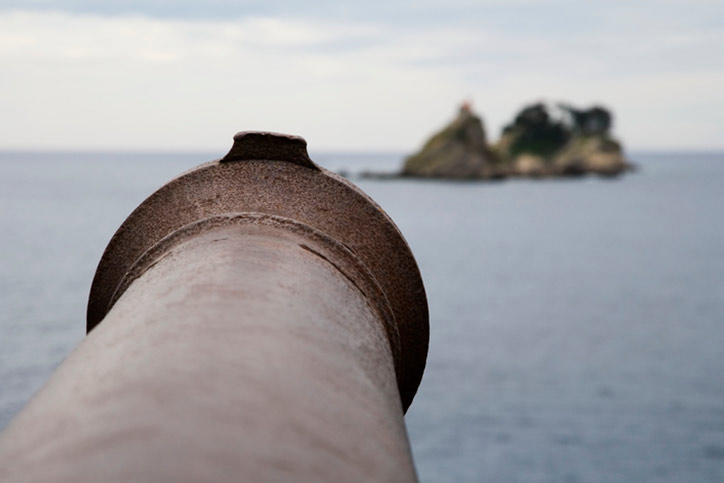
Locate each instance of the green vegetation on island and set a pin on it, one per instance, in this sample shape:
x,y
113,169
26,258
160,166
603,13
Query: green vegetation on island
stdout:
x,y
540,141
459,150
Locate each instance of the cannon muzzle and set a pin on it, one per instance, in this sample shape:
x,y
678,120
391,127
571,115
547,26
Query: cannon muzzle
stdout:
x,y
257,318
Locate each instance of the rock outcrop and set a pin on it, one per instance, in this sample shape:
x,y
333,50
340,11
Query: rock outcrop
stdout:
x,y
529,165
539,142
570,142
597,154
459,150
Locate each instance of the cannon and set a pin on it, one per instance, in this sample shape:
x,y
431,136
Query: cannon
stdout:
x,y
257,318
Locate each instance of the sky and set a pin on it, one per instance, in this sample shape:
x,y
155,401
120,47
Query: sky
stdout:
x,y
352,76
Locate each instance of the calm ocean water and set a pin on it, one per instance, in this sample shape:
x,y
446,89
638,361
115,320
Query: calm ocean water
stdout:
x,y
577,326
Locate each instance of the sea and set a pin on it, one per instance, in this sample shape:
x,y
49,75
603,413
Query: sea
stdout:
x,y
576,325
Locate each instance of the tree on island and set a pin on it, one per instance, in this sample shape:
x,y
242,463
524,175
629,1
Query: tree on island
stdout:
x,y
540,141
588,122
534,131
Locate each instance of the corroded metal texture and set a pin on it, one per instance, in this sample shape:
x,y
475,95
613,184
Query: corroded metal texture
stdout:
x,y
272,174
257,319
248,347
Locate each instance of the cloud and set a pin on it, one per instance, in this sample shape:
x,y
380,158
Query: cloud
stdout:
x,y
398,11
137,81
107,81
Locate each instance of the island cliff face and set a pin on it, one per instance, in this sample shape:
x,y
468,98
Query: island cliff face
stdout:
x,y
459,150
536,143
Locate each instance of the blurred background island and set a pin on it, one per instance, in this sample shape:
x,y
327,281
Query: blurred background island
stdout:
x,y
541,141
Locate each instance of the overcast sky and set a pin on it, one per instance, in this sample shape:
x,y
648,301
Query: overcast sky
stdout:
x,y
374,75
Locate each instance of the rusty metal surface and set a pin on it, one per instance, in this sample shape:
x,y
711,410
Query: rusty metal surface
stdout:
x,y
245,347
334,253
271,174
266,145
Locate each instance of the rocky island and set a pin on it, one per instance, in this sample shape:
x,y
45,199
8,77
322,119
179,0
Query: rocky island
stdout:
x,y
540,142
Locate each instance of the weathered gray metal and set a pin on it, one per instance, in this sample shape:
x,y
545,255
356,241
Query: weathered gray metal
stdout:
x,y
257,317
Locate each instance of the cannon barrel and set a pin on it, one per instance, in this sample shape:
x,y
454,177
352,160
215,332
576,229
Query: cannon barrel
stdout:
x,y
257,318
